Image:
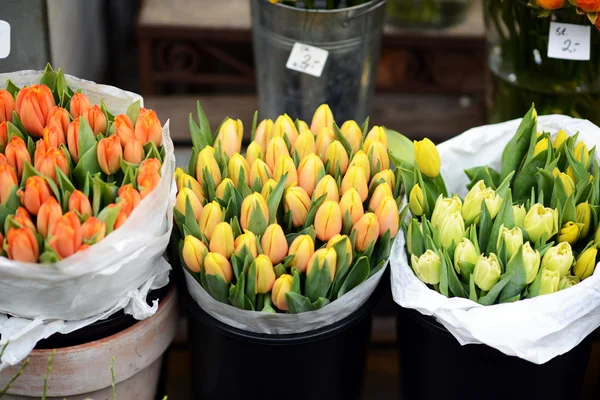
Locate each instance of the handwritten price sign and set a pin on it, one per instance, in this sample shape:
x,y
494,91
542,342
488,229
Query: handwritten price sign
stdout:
x,y
569,41
308,59
4,39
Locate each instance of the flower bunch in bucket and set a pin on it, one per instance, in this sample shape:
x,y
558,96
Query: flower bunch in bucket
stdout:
x,y
304,217
70,172
587,7
526,230
321,4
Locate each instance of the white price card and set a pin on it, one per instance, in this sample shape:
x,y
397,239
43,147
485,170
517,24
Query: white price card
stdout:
x,y
4,39
308,59
569,41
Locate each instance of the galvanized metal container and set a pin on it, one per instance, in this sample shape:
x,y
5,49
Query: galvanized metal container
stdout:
x,y
352,37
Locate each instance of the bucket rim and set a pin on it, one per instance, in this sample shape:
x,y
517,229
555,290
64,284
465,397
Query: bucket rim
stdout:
x,y
372,3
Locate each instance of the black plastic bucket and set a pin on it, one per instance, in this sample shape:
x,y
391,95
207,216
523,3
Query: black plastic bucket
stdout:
x,y
433,365
328,364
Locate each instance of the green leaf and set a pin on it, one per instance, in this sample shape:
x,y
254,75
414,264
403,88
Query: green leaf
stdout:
x,y
204,125
12,88
516,267
339,136
103,194
318,281
526,179
320,303
505,217
274,198
453,282
217,288
253,127
518,146
312,211
297,303
490,177
472,289
109,215
13,130
444,286
49,79
358,274
251,282
485,226
133,111
17,121
87,163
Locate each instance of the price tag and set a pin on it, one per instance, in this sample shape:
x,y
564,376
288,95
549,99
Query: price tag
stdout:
x,y
308,59
4,39
569,41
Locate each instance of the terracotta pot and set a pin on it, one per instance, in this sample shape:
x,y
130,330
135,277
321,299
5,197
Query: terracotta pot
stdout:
x,y
83,372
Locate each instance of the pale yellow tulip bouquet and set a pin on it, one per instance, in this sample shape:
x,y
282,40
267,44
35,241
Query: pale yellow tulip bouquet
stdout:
x,y
308,214
527,230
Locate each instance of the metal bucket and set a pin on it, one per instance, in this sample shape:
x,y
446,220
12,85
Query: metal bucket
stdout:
x,y
352,37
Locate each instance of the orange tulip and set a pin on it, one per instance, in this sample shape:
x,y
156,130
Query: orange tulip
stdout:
x,y
22,218
310,172
298,203
387,216
229,137
109,154
58,117
360,159
285,126
8,181
65,237
7,106
589,6
210,216
253,202
351,203
551,4
274,244
121,216
79,104
217,264
22,245
36,192
356,178
16,154
304,144
96,118
53,136
302,248
3,134
3,160
123,129
324,138
337,156
382,191
259,170
73,140
322,118
320,258
81,203
148,128
367,231
129,198
48,161
133,152
150,165
49,212
328,186
285,165
40,150
262,134
281,287
276,148
353,134
33,105
328,220
83,247
147,182
93,230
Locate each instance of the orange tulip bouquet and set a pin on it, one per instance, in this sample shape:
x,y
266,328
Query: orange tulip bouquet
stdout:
x,y
304,217
72,176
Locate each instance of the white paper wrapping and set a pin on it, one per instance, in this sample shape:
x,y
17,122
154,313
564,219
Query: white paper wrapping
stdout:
x,y
283,324
537,329
115,274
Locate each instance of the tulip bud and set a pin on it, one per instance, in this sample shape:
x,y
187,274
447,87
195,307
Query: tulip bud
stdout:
x,y
16,154
49,212
8,181
386,176
444,206
378,156
519,213
78,105
3,135
259,170
487,271
367,231
182,197
7,106
304,145
416,201
342,238
584,218
22,245
81,203
109,153
297,202
121,216
221,190
93,230
124,129
567,182
561,136
382,191
96,118
302,126
254,152
582,154
471,209
568,281
310,171
353,134
276,149
65,236
549,281
22,218
586,263
148,128
251,203
427,158
569,233
378,133
320,258
73,140
324,137
336,156
206,161
35,194
328,220
427,267
268,188
222,240
285,126
323,117
551,5
558,258
33,105
282,285
262,134
285,165
265,274
230,136
58,118
217,264
351,203
236,165
184,180
302,248
194,252
356,178
53,137
541,221
388,216
133,152
360,159
541,146
465,254
531,259
246,240
327,186
210,216
129,198
513,240
274,244
451,230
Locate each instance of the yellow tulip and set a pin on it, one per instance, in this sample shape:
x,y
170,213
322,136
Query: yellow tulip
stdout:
x,y
378,156
336,156
222,240
253,202
561,136
351,203
310,171
297,201
353,134
360,159
342,238
193,253
328,220
221,190
281,287
285,126
182,197
274,244
584,218
285,165
254,152
322,118
356,178
320,258
302,248
327,186
382,191
367,231
304,145
217,264
246,240
276,149
210,216
582,154
386,176
586,263
230,136
378,133
262,134
259,170
265,274
540,146
236,165
427,158
206,161
324,137
416,201
569,233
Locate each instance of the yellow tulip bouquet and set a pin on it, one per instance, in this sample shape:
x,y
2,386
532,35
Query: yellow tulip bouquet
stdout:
x,y
527,230
308,214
